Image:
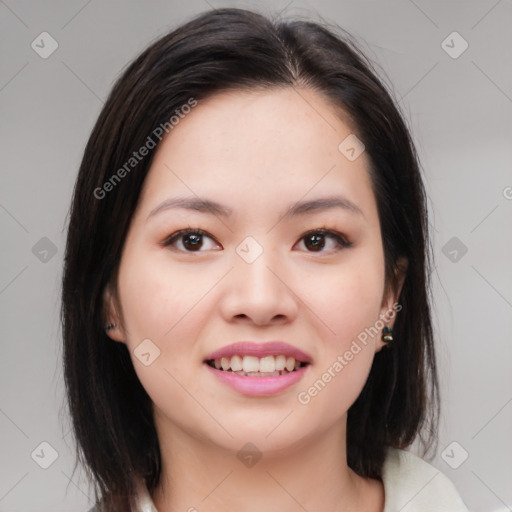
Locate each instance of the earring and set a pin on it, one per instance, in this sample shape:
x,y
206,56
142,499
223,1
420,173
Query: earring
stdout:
x,y
387,335
110,326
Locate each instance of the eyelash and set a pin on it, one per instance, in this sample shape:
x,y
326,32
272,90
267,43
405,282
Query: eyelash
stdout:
x,y
341,241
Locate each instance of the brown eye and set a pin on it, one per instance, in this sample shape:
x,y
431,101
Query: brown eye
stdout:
x,y
317,240
192,241
189,240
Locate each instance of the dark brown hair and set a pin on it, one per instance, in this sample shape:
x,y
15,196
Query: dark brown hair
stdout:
x,y
221,50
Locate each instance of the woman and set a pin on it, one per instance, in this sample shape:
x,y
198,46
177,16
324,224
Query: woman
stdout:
x,y
245,298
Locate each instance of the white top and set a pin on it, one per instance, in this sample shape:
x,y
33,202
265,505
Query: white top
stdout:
x,y
413,485
410,485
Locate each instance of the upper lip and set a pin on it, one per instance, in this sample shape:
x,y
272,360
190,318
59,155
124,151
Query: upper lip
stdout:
x,y
269,348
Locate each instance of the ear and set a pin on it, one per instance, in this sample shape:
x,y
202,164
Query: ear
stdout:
x,y
390,306
112,316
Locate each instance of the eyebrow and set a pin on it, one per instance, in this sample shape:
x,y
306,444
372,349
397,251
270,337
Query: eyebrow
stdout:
x,y
217,209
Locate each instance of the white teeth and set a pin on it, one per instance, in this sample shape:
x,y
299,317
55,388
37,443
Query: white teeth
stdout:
x,y
267,364
251,364
236,363
254,366
280,362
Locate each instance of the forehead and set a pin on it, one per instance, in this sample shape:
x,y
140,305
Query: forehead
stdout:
x,y
258,146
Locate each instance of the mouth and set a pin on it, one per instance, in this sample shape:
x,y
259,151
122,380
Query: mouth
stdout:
x,y
253,366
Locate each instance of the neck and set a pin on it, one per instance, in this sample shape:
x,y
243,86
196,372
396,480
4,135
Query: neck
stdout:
x,y
311,475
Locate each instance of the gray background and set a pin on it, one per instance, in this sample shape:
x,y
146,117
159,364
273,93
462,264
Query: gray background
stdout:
x,y
460,112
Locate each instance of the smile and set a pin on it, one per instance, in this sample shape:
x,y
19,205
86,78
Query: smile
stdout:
x,y
252,366
254,382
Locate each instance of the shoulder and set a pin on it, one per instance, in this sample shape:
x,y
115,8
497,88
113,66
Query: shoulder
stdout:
x,y
413,485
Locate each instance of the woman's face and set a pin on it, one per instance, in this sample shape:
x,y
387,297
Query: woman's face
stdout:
x,y
254,274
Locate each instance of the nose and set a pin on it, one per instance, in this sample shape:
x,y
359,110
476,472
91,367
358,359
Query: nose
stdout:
x,y
260,292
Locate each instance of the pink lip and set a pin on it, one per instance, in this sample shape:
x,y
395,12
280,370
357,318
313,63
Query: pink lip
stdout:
x,y
258,386
270,348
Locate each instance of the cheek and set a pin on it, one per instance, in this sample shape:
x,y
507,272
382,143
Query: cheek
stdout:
x,y
348,300
348,305
170,307
155,296
163,305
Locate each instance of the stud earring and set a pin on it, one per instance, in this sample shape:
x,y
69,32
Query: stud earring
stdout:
x,y
387,335
110,326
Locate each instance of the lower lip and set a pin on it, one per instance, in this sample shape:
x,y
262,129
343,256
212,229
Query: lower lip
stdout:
x,y
258,386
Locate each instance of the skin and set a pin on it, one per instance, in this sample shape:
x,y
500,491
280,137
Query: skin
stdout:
x,y
256,153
